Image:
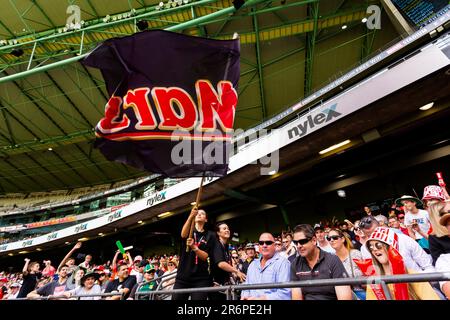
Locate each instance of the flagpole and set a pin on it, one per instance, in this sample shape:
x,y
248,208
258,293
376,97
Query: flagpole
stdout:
x,y
199,193
197,205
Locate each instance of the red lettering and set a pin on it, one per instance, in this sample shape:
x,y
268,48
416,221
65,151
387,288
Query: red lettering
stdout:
x,y
110,123
138,100
171,119
216,107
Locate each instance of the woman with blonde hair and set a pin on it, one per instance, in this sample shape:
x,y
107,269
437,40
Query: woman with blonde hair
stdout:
x,y
437,205
341,243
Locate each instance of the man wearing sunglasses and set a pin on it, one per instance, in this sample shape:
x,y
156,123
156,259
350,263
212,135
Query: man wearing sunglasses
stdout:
x,y
271,267
414,257
314,263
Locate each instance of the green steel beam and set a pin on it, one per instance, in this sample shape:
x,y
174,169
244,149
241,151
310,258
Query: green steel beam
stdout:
x,y
25,174
8,126
178,27
48,171
20,15
69,100
140,14
313,11
43,13
260,71
93,8
61,159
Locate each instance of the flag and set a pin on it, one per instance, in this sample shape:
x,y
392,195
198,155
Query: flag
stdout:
x,y
172,102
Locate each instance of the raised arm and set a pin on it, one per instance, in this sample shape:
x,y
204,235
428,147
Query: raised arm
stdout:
x,y
187,224
114,264
64,260
25,267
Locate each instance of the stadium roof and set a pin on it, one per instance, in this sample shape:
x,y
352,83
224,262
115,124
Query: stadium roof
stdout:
x,y
50,103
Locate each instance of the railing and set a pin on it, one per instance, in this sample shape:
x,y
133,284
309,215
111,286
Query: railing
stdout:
x,y
230,290
72,297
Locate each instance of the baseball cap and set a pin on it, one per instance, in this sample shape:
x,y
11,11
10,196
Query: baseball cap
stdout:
x,y
250,246
318,227
149,268
99,268
137,258
15,285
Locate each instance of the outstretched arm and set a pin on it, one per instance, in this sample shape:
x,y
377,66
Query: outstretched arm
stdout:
x,y
187,224
64,260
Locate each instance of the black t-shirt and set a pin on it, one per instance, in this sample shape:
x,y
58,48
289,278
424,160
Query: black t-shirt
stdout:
x,y
191,268
327,267
245,265
29,284
116,285
221,253
438,246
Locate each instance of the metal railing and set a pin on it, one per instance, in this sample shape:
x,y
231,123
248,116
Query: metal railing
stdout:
x,y
231,290
72,297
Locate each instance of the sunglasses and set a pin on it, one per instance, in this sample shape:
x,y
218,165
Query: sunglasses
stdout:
x,y
365,224
376,246
301,241
329,238
267,243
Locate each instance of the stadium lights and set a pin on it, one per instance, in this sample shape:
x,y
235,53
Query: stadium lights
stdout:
x,y
101,234
50,149
10,254
140,222
427,106
83,239
364,20
193,203
165,214
23,252
341,193
38,249
333,147
272,172
344,27
67,242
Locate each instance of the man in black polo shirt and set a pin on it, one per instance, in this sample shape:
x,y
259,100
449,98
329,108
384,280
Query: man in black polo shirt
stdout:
x,y
313,263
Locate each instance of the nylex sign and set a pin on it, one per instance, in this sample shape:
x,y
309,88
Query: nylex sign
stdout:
x,y
306,124
157,198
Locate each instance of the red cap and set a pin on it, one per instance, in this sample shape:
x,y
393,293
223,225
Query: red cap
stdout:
x,y
99,268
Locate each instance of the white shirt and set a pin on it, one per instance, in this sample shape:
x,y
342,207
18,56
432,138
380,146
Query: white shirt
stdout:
x,y
423,220
414,256
139,276
443,265
327,248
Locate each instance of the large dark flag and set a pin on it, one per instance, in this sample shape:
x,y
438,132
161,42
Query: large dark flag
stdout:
x,y
172,102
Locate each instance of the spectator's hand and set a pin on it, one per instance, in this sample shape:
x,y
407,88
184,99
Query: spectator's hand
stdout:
x,y
77,245
190,243
241,276
415,227
194,212
26,260
67,294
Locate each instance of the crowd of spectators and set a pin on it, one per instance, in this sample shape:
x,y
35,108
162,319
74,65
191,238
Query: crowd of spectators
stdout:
x,y
413,237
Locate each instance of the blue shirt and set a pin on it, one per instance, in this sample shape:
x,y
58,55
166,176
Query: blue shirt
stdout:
x,y
276,270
